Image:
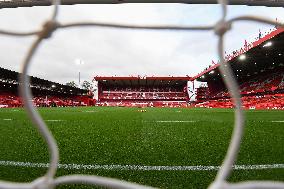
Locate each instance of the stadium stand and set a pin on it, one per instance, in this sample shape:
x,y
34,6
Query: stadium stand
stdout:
x,y
141,92
260,75
46,93
249,102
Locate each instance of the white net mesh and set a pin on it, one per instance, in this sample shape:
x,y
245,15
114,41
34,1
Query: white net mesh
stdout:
x,y
49,181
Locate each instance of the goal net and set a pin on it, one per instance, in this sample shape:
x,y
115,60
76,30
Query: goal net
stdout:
x,y
49,180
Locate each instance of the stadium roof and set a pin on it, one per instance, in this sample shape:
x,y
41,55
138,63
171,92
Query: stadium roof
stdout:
x,y
9,79
266,54
143,81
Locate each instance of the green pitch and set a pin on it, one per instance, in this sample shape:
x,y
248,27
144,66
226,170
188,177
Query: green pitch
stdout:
x,y
158,137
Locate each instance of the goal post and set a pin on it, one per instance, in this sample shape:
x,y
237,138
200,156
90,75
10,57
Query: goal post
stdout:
x,y
29,3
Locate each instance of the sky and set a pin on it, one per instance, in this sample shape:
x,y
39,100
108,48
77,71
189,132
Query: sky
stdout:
x,y
110,52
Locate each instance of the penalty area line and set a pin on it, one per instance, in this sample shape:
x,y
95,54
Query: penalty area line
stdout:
x,y
7,119
138,167
176,121
53,120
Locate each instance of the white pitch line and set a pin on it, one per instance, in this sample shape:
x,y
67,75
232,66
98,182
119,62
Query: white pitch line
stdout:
x,y
278,121
7,119
176,121
54,120
139,167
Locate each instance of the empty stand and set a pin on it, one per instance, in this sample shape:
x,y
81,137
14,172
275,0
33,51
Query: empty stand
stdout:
x,y
8,100
141,92
262,92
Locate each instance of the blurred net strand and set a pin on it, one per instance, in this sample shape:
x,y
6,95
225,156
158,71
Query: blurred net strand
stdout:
x,y
142,27
48,181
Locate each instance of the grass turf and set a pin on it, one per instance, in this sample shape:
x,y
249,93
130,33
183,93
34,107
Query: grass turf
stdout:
x,y
125,136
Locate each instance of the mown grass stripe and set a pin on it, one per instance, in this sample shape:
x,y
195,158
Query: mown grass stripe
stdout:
x,y
139,167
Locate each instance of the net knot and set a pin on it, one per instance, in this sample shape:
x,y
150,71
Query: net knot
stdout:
x,y
48,28
43,183
222,27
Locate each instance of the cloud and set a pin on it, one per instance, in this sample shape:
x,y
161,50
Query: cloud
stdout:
x,y
123,52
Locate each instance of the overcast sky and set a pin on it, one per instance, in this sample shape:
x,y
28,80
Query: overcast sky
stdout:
x,y
108,52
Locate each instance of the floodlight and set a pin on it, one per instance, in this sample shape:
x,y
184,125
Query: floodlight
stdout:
x,y
53,86
268,44
79,61
242,57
